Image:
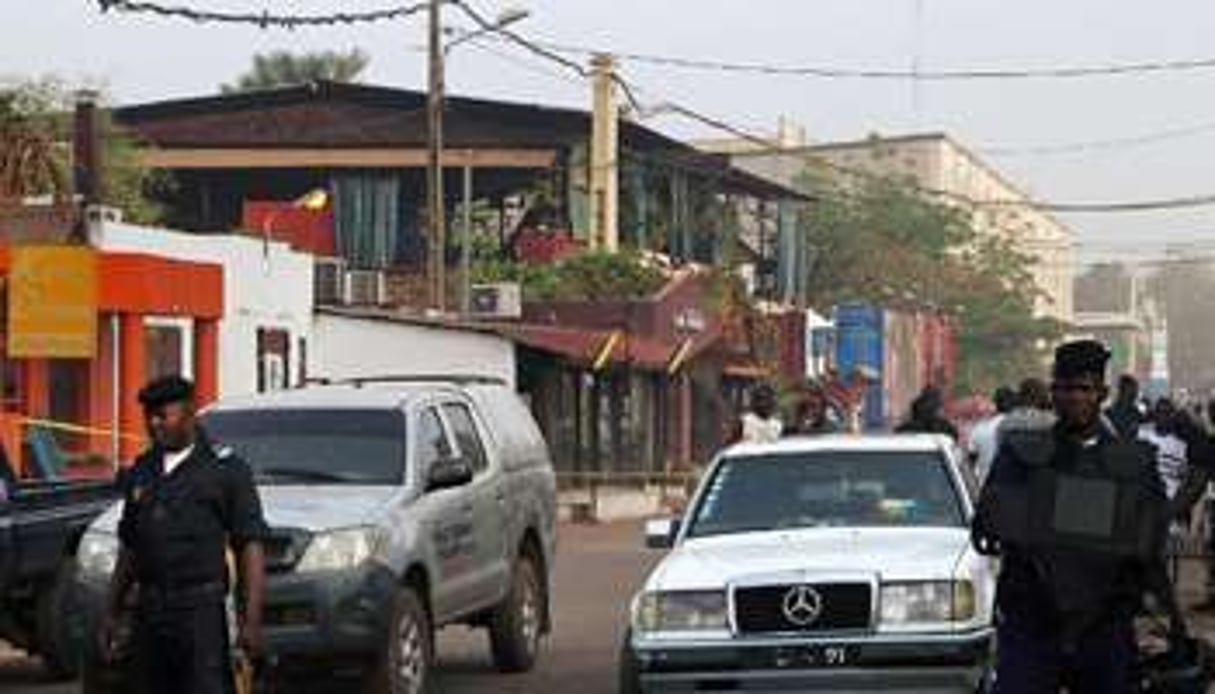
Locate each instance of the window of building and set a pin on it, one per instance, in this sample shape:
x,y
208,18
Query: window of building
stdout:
x,y
169,346
273,360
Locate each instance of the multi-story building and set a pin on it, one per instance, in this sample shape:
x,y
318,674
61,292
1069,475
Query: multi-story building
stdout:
x,y
935,162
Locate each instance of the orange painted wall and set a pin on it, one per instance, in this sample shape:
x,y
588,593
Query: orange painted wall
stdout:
x,y
133,286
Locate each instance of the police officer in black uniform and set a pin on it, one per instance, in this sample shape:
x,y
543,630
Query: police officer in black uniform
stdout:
x,y
1067,591
187,502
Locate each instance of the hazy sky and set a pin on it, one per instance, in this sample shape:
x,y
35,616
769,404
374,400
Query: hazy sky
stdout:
x,y
146,58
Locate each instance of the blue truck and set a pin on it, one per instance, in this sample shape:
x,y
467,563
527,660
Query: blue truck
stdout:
x,y
906,349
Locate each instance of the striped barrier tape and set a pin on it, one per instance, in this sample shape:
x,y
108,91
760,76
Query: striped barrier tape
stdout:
x,y
77,428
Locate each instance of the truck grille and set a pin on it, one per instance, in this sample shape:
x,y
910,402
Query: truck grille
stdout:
x,y
803,608
284,548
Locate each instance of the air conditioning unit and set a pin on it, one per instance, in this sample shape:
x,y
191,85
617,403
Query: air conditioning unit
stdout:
x,y
503,300
97,214
329,282
366,288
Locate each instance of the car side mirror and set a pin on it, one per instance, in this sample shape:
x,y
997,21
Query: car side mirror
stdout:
x,y
660,533
449,474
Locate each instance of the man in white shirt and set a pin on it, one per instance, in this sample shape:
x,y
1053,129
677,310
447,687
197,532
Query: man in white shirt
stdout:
x,y
1171,449
984,439
762,424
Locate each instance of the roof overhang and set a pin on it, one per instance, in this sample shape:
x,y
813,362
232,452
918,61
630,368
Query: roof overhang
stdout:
x,y
334,158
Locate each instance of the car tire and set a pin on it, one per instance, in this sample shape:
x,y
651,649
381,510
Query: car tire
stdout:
x,y
628,674
407,662
97,679
516,625
60,637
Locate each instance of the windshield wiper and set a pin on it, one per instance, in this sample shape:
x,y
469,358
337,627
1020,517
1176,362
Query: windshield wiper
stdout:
x,y
305,475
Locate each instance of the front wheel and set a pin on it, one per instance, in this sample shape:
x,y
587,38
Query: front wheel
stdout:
x,y
628,673
405,665
516,625
61,628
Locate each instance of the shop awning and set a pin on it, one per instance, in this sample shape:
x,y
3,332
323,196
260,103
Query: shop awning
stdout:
x,y
600,348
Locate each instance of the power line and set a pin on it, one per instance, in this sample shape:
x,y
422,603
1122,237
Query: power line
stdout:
x,y
531,46
1101,145
1176,203
914,74
523,64
264,19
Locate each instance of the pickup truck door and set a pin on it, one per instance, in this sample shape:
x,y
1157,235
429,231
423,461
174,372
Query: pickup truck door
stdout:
x,y
448,521
491,521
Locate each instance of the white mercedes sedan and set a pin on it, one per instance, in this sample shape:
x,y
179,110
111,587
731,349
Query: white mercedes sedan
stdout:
x,y
838,564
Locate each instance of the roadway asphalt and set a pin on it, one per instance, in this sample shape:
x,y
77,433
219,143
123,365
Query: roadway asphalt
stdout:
x,y
598,569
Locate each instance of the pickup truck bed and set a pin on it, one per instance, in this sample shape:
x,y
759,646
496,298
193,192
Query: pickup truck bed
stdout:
x,y
40,526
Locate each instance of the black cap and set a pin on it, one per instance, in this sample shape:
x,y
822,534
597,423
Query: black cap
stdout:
x,y
1081,358
166,390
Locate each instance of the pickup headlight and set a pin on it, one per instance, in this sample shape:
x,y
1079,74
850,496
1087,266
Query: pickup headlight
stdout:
x,y
680,611
927,602
337,550
97,554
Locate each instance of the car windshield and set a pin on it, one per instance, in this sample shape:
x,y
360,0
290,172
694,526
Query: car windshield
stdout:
x,y
312,446
828,489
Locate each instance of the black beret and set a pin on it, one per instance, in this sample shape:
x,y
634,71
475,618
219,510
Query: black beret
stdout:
x,y
1081,358
166,390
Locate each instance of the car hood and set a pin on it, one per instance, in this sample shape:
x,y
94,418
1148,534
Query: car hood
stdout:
x,y
887,553
306,507
323,508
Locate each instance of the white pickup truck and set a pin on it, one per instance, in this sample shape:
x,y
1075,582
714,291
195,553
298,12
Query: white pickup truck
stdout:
x,y
838,564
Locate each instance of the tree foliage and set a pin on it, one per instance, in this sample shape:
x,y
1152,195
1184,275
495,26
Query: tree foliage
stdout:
x,y
35,152
285,69
883,242
30,164
589,276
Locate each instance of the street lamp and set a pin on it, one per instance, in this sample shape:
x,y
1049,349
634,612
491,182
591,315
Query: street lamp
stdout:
x,y
436,201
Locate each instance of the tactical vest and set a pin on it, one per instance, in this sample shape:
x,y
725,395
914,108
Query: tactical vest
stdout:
x,y
1116,507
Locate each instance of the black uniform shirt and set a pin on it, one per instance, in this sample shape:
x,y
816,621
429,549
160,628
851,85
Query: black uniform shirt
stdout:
x,y
1048,588
178,525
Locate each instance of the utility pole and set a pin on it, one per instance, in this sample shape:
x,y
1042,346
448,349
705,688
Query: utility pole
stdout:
x,y
605,155
436,213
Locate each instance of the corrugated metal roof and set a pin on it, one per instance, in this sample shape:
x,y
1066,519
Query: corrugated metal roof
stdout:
x,y
332,115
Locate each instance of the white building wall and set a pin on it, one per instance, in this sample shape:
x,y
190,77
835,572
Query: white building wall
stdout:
x,y
347,346
265,287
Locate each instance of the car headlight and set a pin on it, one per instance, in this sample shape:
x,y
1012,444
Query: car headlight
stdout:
x,y
928,602
337,550
680,611
97,554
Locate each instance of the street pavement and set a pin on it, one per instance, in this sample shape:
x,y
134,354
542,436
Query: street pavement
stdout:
x,y
598,569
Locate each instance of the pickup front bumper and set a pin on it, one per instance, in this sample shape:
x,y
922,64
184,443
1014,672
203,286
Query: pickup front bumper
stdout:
x,y
308,618
929,663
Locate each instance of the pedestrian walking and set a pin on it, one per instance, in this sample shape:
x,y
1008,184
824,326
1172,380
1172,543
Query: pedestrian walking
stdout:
x,y
1125,414
1067,598
762,424
812,415
984,438
187,503
928,416
1160,430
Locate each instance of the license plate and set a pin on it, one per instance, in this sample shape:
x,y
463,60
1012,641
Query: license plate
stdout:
x,y
827,656
832,656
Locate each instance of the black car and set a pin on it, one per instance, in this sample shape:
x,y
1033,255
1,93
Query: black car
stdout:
x,y
41,523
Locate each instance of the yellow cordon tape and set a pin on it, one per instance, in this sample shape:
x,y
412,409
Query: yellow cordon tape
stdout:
x,y
76,428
